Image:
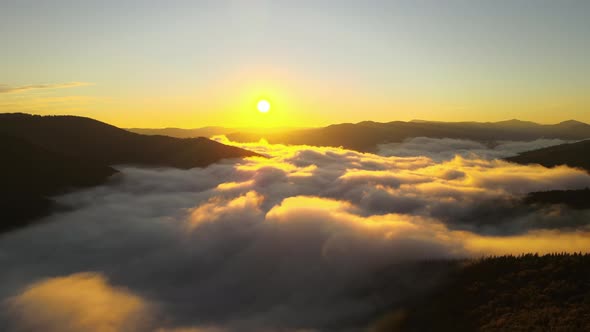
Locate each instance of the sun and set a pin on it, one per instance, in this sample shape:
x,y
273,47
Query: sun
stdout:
x,y
263,106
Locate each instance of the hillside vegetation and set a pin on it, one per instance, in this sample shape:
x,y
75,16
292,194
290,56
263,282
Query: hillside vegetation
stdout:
x,y
507,293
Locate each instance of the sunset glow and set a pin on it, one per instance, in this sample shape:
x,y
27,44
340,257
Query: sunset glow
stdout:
x,y
317,166
402,62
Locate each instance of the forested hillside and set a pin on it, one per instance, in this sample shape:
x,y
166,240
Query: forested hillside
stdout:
x,y
507,293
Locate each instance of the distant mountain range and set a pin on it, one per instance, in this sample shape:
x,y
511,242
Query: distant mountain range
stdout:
x,y
366,136
206,131
184,133
48,155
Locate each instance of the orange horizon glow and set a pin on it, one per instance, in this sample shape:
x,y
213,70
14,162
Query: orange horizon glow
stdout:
x,y
296,101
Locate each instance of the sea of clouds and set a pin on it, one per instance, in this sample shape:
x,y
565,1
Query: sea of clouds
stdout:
x,y
447,148
306,239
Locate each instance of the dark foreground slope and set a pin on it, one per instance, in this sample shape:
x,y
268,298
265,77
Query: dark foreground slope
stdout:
x,y
573,155
525,293
365,136
99,142
48,155
30,175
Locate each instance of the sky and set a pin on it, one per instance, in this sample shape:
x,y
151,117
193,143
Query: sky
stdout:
x,y
197,63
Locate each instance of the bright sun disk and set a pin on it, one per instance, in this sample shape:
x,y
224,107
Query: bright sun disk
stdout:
x,y
263,106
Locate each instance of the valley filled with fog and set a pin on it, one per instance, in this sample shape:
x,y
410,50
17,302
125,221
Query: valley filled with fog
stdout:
x,y
301,238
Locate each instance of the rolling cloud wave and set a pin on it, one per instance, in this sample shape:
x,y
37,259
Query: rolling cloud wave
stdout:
x,y
308,239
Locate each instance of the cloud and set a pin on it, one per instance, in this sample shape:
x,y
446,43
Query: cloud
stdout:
x,y
5,88
440,149
79,302
217,209
308,239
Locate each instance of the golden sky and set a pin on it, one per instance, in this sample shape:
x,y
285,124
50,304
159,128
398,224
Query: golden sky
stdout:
x,y
193,64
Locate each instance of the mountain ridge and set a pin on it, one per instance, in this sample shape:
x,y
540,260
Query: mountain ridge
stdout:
x,y
365,136
48,155
103,143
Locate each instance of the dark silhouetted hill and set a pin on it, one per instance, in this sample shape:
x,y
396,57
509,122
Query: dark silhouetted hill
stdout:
x,y
30,175
577,199
365,136
574,155
48,155
508,293
99,142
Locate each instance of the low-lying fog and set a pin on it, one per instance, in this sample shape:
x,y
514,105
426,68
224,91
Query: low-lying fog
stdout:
x,y
293,242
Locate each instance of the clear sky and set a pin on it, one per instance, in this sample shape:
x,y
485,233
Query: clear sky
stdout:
x,y
197,63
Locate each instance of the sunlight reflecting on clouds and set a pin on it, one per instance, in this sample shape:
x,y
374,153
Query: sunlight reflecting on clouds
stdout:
x,y
292,241
216,208
79,302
